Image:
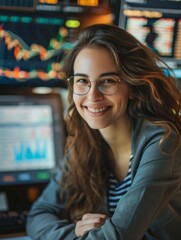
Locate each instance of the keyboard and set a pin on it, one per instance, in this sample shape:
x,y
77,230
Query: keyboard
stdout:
x,y
12,221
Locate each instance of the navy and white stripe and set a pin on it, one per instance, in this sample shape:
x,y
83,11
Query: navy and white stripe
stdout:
x,y
117,189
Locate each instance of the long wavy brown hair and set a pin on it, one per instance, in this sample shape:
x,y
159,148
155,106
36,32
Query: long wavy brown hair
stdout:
x,y
155,97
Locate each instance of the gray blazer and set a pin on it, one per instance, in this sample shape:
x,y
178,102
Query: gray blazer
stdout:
x,y
151,209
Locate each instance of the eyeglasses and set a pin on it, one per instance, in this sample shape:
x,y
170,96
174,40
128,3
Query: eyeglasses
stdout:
x,y
107,85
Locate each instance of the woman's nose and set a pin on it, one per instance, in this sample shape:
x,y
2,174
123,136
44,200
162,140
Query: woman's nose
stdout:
x,y
94,92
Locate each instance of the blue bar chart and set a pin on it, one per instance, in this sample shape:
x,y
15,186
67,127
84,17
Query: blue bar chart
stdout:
x,y
38,152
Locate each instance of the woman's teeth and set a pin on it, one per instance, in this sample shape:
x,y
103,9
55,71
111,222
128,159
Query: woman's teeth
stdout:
x,y
96,110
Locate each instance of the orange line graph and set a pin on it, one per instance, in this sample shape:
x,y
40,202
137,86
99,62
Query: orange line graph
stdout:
x,y
24,52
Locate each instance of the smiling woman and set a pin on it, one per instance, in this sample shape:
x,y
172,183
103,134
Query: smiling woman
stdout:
x,y
121,175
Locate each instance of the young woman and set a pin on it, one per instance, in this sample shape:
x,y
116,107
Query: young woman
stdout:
x,y
121,176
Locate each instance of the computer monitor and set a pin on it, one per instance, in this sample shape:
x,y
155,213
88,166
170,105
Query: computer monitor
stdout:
x,y
156,24
31,138
31,146
32,48
160,34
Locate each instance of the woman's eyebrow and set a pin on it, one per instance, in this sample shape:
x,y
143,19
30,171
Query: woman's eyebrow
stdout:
x,y
81,74
108,74
101,75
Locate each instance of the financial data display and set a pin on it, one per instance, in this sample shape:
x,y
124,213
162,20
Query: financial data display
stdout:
x,y
162,35
158,34
31,138
158,26
32,48
26,138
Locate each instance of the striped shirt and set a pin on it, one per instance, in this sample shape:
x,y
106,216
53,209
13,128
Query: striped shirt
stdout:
x,y
117,189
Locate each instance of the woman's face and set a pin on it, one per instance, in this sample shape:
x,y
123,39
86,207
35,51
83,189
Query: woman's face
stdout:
x,y
98,110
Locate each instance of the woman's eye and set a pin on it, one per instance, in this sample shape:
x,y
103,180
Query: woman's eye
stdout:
x,y
108,81
82,81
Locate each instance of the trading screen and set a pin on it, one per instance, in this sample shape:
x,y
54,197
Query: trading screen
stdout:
x,y
26,140
32,47
157,25
162,35
31,137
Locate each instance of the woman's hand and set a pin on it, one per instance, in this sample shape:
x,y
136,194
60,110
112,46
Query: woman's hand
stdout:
x,y
88,222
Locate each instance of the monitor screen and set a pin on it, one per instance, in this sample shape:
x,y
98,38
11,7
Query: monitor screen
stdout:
x,y
158,27
31,138
162,35
158,34
31,49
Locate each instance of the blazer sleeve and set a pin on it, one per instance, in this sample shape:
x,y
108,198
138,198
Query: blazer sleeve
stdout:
x,y
156,181
44,220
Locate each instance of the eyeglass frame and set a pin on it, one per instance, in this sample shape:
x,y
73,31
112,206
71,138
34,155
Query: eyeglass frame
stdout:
x,y
93,81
